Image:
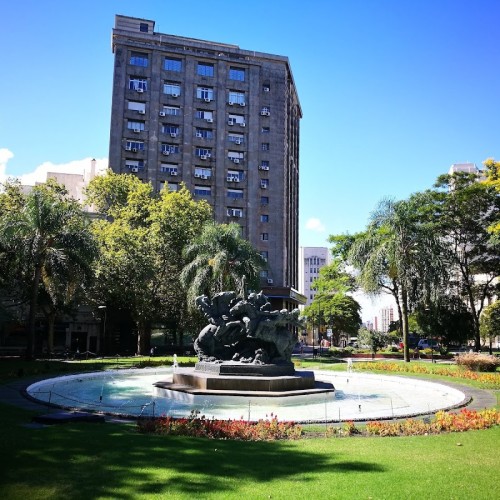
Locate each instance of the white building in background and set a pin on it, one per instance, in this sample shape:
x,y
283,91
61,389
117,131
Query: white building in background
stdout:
x,y
469,168
386,317
311,260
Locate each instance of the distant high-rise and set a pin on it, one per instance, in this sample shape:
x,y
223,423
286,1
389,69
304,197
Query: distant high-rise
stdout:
x,y
223,121
311,260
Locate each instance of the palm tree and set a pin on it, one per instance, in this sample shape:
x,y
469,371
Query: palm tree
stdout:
x,y
218,260
51,234
400,255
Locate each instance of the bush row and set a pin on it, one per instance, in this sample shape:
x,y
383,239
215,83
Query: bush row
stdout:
x,y
478,362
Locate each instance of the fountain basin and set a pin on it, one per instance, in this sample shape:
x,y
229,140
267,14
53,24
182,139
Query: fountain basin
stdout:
x,y
357,396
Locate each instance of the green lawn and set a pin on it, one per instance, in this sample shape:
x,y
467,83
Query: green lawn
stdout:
x,y
113,461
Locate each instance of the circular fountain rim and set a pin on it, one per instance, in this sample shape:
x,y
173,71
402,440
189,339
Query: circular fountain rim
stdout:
x,y
464,400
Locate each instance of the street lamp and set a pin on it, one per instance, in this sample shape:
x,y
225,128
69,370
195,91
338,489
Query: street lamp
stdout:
x,y
103,339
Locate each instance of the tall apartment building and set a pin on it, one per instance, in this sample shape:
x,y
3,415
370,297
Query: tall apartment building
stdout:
x,y
223,121
311,260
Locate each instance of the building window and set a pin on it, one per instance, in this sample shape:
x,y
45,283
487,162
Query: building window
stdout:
x,y
264,165
265,111
204,133
172,89
264,218
205,93
264,236
264,200
264,273
173,186
170,149
134,146
139,59
168,128
265,130
171,111
264,183
204,115
237,74
265,255
234,212
169,168
138,84
236,120
264,146
135,165
140,107
266,88
234,175
235,97
203,190
203,153
135,125
236,138
236,156
143,27
235,193
205,69
202,173
172,64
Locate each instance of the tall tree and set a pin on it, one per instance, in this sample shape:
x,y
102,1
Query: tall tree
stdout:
x,y
51,237
398,254
464,210
220,259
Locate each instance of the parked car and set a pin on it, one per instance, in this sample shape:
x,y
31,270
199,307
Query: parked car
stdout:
x,y
428,344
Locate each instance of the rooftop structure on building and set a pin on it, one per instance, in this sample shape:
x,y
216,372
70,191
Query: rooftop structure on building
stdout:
x,y
221,120
468,168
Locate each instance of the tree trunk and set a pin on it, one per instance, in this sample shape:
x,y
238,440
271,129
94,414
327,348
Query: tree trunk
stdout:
x,y
404,323
30,348
51,320
143,338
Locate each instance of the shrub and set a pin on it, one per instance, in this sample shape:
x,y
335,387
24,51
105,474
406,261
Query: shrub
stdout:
x,y
199,426
478,362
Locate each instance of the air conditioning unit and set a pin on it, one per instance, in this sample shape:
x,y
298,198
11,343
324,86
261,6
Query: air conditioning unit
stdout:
x,y
242,104
137,130
210,120
236,160
203,157
165,152
207,99
230,103
270,281
139,90
135,169
230,121
199,134
204,177
265,113
263,185
174,95
266,89
230,178
173,134
141,111
173,172
162,113
128,148
134,150
263,167
197,175
243,124
238,141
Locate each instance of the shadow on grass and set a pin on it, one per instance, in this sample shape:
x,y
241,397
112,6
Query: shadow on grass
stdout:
x,y
114,461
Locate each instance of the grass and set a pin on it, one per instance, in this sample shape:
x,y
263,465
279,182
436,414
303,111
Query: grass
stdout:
x,y
83,461
91,461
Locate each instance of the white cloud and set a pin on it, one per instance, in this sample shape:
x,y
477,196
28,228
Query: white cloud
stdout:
x,y
5,156
314,224
39,174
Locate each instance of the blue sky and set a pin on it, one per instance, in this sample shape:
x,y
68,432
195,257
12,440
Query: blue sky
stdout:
x,y
393,92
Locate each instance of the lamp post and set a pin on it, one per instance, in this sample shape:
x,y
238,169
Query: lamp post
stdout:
x,y
103,339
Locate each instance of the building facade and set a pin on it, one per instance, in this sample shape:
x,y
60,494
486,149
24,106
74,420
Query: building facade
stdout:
x,y
221,120
311,260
